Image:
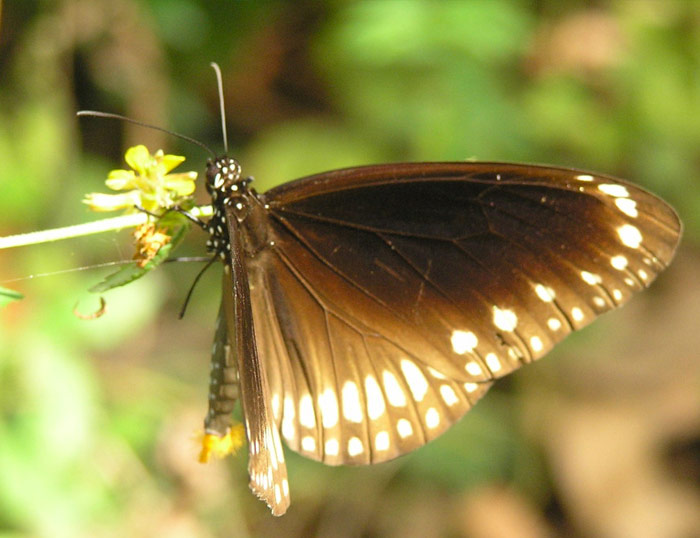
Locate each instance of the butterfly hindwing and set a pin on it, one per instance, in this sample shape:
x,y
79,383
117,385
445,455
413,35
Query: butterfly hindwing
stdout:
x,y
391,296
341,391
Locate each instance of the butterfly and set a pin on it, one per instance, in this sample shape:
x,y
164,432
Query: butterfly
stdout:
x,y
366,310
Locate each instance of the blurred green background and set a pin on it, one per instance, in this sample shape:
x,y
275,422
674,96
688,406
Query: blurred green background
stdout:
x,y
97,417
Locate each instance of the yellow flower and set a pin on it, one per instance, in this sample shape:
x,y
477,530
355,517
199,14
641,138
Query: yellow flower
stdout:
x,y
148,184
221,446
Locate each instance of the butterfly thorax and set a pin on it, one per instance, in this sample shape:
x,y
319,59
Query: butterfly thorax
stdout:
x,y
231,197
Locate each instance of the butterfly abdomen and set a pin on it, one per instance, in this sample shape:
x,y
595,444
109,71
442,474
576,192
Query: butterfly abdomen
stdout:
x,y
224,388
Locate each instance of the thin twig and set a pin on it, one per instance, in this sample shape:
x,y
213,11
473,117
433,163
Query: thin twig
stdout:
x,y
89,228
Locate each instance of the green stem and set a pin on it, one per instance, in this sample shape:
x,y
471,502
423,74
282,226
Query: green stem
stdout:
x,y
89,228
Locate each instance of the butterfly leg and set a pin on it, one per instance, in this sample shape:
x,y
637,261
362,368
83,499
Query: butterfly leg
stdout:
x,y
199,222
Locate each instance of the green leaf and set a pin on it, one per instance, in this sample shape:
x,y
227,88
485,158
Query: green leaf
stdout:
x,y
8,295
131,272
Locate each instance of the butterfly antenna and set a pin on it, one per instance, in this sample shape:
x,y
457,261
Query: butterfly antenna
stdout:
x,y
194,283
109,115
220,85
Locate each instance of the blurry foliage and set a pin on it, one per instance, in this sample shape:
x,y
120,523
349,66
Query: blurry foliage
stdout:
x,y
96,416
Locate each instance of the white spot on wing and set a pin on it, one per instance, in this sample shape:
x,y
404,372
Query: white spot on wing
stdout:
x,y
404,428
514,353
627,206
470,387
306,411
536,344
394,392
308,443
618,191
630,235
577,313
619,262
617,294
504,319
584,177
545,293
492,362
276,406
432,418
352,409
355,447
278,494
448,394
375,399
288,429
278,446
415,379
554,324
328,404
590,278
473,368
331,447
463,341
381,440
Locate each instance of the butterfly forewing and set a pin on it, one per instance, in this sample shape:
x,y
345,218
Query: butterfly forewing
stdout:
x,y
266,465
390,296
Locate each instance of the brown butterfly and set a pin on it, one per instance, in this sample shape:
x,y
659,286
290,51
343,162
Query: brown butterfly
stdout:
x,y
366,310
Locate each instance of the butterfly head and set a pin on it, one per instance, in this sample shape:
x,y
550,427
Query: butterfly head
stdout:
x,y
224,179
230,198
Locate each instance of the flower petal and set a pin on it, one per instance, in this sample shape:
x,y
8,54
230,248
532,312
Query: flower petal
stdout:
x,y
111,202
170,161
120,180
183,184
138,158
